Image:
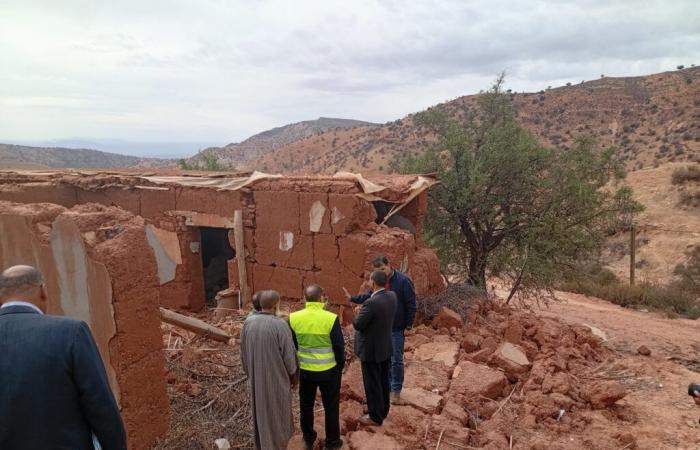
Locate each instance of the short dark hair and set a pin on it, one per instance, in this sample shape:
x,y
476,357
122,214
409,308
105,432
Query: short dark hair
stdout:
x,y
380,260
256,301
378,277
268,299
313,293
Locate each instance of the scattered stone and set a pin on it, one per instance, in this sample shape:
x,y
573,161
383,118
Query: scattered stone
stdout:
x,y
364,440
444,352
415,341
597,332
405,423
421,399
455,412
514,332
222,444
644,350
477,380
447,318
511,359
427,375
604,394
471,342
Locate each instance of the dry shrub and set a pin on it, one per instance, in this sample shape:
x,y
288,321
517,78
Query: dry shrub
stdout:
x,y
685,174
462,298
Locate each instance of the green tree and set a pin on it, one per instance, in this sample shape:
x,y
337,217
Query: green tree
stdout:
x,y
510,206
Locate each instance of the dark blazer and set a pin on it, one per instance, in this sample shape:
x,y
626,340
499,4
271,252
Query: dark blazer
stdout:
x,y
54,391
373,325
402,286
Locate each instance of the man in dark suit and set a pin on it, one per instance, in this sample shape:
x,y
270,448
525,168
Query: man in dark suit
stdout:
x,y
373,347
54,392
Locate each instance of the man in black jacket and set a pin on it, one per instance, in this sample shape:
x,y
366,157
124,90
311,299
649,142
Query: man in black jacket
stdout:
x,y
399,283
54,392
373,347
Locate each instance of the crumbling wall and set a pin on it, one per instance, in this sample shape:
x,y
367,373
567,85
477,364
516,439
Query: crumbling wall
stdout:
x,y
99,267
297,230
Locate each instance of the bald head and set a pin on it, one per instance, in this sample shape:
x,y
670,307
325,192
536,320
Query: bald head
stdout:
x,y
269,300
22,283
313,293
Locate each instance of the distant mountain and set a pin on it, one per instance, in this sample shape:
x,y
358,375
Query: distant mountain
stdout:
x,y
652,119
232,155
25,157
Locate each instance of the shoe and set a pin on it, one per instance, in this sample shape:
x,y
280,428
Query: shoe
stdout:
x,y
335,446
395,398
367,420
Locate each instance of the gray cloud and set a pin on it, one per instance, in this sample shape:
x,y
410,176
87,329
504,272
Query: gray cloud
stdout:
x,y
220,71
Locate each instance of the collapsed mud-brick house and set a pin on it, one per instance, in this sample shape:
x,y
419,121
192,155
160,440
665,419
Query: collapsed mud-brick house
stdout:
x,y
115,246
297,230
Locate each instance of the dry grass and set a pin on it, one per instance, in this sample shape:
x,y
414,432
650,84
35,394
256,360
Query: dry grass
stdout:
x,y
208,395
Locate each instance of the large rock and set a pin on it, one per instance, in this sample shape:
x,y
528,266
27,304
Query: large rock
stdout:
x,y
415,341
453,411
421,399
444,352
604,394
364,440
455,436
427,375
473,380
405,423
447,318
511,359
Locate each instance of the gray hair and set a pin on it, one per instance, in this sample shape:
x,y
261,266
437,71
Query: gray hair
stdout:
x,y
19,278
313,293
268,299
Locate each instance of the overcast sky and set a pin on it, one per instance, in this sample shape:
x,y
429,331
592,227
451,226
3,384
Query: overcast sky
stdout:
x,y
214,72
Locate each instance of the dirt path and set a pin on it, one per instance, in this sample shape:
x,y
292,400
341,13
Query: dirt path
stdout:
x,y
660,412
627,329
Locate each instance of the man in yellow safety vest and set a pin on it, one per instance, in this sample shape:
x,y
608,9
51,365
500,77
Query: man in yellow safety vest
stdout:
x,y
321,354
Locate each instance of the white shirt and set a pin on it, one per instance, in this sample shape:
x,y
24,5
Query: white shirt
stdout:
x,y
377,291
21,303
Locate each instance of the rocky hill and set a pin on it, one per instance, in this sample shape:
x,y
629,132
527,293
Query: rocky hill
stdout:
x,y
263,143
653,119
24,157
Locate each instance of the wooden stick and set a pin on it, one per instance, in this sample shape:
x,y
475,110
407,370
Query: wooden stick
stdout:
x,y
504,402
193,325
239,238
437,447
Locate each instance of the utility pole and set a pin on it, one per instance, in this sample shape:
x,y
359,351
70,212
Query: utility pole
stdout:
x,y
633,250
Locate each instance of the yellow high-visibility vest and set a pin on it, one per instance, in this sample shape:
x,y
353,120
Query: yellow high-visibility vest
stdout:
x,y
312,326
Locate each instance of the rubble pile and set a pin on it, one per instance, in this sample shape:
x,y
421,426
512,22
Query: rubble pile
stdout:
x,y
502,379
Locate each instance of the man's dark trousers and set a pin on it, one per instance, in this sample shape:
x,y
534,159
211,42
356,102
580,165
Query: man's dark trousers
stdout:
x,y
377,388
328,382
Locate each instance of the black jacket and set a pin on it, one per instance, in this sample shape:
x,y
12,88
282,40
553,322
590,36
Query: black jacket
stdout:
x,y
373,325
402,286
54,391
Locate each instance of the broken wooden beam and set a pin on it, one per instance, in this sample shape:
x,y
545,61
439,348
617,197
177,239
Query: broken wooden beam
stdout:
x,y
193,325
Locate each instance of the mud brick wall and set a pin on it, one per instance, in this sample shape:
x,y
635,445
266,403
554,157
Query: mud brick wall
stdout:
x,y
300,234
99,267
297,231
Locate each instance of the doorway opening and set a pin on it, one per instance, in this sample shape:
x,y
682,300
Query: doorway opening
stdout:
x,y
216,251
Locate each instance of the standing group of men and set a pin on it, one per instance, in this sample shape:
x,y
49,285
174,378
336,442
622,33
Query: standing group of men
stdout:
x,y
308,352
